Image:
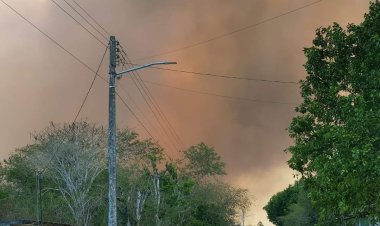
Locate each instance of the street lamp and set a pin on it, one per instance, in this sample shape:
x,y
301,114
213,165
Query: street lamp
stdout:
x,y
112,220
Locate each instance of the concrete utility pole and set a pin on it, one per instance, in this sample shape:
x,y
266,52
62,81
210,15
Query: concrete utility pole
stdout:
x,y
112,218
112,136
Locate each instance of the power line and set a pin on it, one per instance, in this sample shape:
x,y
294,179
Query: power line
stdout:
x,y
133,113
229,33
138,109
139,121
73,8
68,52
92,83
93,19
60,7
147,98
161,114
156,105
220,95
137,118
53,40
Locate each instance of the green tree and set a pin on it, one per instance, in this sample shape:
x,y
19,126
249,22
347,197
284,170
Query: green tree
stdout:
x,y
203,161
337,131
138,180
176,191
150,189
17,181
217,203
291,207
279,204
69,159
300,213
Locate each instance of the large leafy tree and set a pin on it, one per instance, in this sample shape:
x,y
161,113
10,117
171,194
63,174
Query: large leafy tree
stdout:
x,y
337,131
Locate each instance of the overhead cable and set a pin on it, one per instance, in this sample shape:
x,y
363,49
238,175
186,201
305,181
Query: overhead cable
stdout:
x,y
92,18
52,40
88,31
91,85
84,18
148,99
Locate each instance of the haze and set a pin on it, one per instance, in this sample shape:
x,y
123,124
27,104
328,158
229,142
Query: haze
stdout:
x,y
40,83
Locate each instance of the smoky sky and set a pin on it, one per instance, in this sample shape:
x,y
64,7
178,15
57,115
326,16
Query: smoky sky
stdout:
x,y
40,82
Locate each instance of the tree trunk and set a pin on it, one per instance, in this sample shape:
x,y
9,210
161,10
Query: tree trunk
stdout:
x,y
157,193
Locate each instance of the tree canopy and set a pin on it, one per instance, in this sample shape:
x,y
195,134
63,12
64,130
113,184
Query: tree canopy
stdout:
x,y
151,190
337,131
